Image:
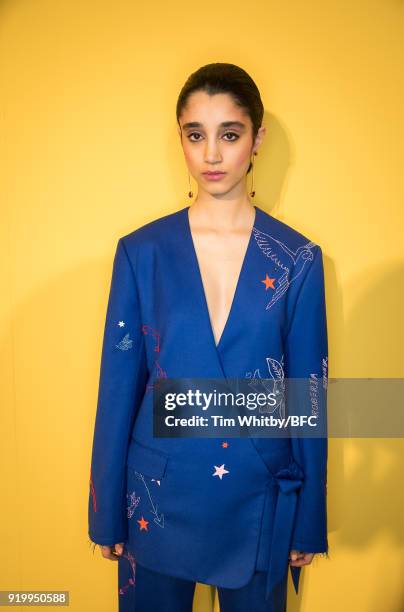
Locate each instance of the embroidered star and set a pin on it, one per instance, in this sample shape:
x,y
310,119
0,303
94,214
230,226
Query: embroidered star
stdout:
x,y
143,524
225,444
121,323
268,282
220,471
158,482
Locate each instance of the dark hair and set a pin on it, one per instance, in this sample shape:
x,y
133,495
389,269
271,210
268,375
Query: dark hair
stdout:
x,y
221,77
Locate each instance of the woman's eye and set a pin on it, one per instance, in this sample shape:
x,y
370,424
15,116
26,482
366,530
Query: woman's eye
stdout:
x,y
232,134
193,134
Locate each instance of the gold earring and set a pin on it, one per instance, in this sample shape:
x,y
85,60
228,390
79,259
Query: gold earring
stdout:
x,y
252,192
190,194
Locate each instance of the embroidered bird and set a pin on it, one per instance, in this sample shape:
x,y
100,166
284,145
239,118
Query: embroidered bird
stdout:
x,y
278,252
125,344
133,503
275,384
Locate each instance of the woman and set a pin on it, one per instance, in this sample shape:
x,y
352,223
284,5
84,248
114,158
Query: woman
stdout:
x,y
219,289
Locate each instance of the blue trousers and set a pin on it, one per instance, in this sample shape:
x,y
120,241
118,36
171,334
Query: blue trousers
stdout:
x,y
143,590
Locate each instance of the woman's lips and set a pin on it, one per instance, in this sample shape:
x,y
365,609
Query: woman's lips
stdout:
x,y
213,176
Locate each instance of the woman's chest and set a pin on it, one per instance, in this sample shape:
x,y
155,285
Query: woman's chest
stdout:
x,y
195,314
219,262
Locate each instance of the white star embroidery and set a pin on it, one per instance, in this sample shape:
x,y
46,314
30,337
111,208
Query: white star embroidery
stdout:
x,y
121,323
220,471
158,482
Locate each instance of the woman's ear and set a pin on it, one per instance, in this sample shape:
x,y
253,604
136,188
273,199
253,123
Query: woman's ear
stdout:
x,y
259,137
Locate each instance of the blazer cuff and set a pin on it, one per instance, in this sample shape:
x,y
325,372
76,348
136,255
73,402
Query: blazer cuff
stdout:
x,y
105,540
319,547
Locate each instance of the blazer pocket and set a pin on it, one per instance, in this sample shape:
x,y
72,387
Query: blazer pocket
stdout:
x,y
148,461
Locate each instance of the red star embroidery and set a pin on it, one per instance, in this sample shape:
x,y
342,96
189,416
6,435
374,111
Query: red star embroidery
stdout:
x,y
225,444
268,282
143,524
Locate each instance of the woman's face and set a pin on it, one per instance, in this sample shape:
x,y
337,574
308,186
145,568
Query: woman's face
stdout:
x,y
216,136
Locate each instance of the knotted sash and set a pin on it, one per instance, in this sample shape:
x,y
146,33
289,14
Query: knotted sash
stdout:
x,y
289,480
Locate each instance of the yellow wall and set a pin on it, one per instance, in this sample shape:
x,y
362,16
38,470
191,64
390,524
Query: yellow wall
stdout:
x,y
90,151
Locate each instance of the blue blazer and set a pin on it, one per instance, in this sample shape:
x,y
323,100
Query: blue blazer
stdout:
x,y
207,509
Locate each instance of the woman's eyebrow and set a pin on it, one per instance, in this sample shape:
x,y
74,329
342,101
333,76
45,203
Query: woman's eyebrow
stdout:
x,y
225,124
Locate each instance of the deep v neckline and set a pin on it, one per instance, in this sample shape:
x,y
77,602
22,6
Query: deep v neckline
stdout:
x,y
201,288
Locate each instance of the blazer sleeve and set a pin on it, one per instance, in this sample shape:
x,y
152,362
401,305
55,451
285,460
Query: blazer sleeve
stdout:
x,y
306,357
122,380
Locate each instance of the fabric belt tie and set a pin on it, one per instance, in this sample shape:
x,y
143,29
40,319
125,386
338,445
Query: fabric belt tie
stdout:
x,y
289,480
